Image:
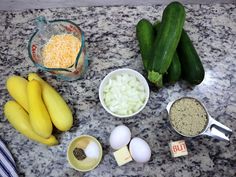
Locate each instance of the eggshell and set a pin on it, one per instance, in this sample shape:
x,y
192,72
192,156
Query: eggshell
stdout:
x,y
139,150
120,137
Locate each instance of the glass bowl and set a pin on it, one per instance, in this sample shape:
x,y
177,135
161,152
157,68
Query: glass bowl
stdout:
x,y
47,29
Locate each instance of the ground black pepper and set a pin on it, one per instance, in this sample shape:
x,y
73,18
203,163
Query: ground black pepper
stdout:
x,y
79,153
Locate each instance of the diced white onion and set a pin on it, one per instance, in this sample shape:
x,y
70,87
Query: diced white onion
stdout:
x,y
124,94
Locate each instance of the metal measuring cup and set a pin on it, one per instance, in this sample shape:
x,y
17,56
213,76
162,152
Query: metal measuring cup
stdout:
x,y
212,127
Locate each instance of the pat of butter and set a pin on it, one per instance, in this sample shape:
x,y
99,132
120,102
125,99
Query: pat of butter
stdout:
x,y
178,148
122,156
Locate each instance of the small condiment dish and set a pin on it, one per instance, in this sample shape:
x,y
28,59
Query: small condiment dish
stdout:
x,y
131,72
91,160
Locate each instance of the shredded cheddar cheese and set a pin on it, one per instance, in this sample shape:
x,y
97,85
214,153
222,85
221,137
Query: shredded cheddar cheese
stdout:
x,y
61,51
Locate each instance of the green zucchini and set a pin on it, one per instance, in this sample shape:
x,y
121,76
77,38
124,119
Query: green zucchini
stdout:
x,y
146,35
192,68
174,71
166,42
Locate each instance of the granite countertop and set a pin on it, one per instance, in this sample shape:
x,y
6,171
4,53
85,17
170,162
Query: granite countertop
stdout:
x,y
111,44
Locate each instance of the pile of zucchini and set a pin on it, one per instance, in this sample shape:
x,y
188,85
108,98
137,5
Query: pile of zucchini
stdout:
x,y
166,49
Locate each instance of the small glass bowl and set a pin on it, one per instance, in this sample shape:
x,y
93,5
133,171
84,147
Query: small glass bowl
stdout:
x,y
46,29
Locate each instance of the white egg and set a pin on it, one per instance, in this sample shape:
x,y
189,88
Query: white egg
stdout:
x,y
120,137
139,150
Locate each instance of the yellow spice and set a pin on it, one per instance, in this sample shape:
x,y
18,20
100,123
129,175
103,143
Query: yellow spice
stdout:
x,y
61,51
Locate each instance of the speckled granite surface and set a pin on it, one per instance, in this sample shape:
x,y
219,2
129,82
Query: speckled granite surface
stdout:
x,y
111,43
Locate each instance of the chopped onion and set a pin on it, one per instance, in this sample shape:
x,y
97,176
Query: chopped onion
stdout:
x,y
124,94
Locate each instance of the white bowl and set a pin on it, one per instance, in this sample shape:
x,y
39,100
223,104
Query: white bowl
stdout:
x,y
119,71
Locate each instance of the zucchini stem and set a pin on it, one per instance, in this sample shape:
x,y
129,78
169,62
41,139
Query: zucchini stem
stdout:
x,y
155,78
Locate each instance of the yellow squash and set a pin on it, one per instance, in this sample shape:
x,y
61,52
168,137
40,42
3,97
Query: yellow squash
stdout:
x,y
39,117
17,88
19,119
59,111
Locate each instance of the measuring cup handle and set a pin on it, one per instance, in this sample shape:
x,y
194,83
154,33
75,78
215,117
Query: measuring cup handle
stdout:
x,y
217,130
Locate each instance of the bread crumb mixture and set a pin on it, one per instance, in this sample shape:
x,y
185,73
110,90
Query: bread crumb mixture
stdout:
x,y
188,116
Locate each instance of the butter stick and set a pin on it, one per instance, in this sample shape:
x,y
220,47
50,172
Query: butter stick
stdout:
x,y
178,148
122,156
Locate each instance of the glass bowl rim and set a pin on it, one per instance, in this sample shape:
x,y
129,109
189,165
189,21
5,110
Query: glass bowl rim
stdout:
x,y
57,69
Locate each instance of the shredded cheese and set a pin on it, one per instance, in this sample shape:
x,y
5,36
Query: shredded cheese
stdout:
x,y
61,51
